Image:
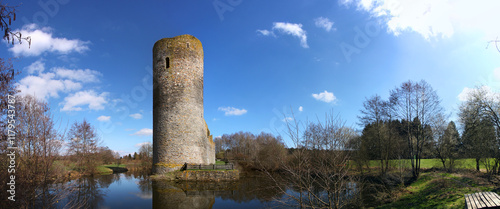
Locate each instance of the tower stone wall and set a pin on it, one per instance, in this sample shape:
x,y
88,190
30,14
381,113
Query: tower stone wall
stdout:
x,y
180,133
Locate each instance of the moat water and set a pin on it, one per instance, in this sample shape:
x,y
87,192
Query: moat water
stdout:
x,y
136,190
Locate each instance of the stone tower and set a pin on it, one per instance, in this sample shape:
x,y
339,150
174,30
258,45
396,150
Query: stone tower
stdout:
x,y
180,134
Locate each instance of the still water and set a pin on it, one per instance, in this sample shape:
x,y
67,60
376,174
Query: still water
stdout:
x,y
135,190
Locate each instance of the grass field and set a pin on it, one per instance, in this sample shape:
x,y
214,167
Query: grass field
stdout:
x,y
468,163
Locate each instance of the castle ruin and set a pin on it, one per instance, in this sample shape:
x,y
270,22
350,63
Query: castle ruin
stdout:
x,y
180,133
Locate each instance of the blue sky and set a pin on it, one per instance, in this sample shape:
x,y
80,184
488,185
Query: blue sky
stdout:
x,y
263,59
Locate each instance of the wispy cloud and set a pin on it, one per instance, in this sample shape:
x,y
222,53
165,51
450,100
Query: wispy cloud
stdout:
x,y
292,29
104,118
325,23
142,143
325,97
266,32
467,92
301,109
232,111
144,132
136,116
85,76
36,67
287,119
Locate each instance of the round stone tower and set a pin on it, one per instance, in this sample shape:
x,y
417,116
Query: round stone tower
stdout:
x,y
180,134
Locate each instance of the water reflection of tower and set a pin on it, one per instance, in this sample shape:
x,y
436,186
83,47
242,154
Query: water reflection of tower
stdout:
x,y
168,195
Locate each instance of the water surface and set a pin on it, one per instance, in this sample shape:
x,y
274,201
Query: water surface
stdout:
x,y
136,190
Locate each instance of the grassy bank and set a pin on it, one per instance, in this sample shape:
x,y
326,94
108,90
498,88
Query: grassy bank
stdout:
x,y
106,169
438,189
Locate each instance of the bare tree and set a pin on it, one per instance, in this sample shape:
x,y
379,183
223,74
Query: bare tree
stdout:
x,y
146,150
376,118
7,15
38,145
83,145
146,156
317,170
419,103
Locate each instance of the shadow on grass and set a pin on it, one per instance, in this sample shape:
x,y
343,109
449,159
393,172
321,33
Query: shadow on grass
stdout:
x,y
117,169
433,191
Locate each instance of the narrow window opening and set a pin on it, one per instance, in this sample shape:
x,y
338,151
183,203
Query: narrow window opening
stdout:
x,y
187,45
167,62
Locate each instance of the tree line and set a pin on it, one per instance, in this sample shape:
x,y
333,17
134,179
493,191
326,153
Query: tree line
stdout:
x,y
411,124
251,151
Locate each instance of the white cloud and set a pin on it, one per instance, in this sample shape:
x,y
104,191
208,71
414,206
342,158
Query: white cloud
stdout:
x,y
104,118
136,116
36,67
232,111
294,30
435,18
290,29
142,143
287,119
144,132
301,109
85,76
45,85
325,23
83,98
71,85
265,32
42,40
464,95
325,97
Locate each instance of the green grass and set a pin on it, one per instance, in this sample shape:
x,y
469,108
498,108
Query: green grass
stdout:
x,y
104,170
468,163
438,190
115,165
218,162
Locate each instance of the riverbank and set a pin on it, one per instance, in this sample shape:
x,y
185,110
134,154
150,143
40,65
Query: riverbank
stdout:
x,y
435,188
107,169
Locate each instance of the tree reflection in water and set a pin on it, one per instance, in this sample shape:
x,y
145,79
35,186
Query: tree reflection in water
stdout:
x,y
88,192
137,190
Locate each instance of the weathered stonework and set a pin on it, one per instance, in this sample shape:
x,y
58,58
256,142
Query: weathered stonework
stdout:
x,y
200,175
193,175
180,134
